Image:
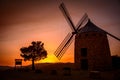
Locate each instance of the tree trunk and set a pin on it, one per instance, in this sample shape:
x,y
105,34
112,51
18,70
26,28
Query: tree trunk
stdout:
x,y
33,65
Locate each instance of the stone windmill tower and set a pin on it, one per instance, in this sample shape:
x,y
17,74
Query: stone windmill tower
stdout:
x,y
91,44
92,48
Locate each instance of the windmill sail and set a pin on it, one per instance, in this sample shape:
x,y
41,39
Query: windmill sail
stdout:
x,y
112,35
67,16
82,21
62,44
63,47
69,38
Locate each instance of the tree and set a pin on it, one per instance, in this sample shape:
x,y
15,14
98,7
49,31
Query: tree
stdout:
x,y
34,52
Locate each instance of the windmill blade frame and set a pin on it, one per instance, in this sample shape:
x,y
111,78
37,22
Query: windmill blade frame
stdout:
x,y
62,44
82,21
112,35
67,16
68,41
65,49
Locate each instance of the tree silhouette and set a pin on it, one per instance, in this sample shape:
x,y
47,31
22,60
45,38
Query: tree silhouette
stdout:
x,y
33,52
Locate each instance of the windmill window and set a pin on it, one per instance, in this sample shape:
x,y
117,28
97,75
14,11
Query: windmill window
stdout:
x,y
84,52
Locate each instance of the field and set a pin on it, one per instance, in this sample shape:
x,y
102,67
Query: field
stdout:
x,y
47,71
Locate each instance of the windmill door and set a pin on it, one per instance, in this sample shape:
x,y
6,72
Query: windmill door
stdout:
x,y
84,64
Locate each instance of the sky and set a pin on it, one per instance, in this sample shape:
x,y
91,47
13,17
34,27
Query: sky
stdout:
x,y
24,21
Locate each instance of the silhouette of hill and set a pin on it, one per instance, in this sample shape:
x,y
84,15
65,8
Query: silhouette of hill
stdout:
x,y
5,68
44,66
51,66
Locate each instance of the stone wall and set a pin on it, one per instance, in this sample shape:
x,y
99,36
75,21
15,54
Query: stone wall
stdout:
x,y
98,52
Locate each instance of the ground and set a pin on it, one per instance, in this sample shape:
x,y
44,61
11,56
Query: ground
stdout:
x,y
56,74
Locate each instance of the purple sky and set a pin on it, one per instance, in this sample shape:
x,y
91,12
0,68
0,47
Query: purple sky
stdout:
x,y
23,21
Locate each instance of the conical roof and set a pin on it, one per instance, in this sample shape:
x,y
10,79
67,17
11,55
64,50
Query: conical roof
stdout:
x,y
90,27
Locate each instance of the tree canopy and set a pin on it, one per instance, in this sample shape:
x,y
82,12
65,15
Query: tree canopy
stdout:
x,y
34,52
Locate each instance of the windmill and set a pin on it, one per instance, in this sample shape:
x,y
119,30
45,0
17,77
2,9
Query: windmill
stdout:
x,y
68,39
89,53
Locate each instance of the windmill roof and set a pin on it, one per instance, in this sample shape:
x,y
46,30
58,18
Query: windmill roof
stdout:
x,y
90,27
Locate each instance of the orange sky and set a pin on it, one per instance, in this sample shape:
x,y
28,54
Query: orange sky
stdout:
x,y
22,22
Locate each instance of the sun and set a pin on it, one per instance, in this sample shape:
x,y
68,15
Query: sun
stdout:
x,y
50,59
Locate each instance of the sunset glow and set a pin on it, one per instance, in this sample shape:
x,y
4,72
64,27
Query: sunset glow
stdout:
x,y
24,22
